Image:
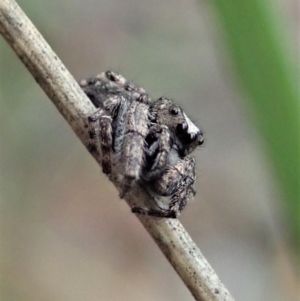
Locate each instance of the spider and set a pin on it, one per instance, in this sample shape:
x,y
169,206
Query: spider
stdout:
x,y
142,140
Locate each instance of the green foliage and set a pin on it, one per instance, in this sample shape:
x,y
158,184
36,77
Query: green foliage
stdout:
x,y
263,65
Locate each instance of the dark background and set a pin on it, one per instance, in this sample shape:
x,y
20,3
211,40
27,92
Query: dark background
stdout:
x,y
66,235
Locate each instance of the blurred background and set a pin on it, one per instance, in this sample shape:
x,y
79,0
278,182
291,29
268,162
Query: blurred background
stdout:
x,y
65,233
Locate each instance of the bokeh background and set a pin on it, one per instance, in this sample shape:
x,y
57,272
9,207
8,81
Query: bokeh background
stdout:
x,y
65,235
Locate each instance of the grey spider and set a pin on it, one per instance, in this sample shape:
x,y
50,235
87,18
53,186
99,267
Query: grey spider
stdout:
x,y
142,140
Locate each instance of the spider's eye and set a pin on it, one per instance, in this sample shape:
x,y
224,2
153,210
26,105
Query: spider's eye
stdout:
x,y
174,111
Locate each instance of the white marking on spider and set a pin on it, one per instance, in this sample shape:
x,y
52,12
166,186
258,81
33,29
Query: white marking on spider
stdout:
x,y
191,126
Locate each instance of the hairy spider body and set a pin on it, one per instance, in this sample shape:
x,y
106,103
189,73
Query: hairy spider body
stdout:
x,y
142,140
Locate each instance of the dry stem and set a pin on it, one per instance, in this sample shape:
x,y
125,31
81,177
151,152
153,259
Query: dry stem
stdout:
x,y
64,92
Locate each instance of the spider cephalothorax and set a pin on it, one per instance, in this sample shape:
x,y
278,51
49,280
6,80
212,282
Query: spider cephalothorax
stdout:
x,y
142,140
185,134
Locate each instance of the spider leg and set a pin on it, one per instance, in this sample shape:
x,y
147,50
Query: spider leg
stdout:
x,y
157,152
133,147
100,130
177,182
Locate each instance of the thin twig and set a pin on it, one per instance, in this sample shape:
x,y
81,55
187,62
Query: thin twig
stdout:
x,y
64,92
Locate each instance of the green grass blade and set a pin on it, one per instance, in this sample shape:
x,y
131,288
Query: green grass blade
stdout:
x,y
264,67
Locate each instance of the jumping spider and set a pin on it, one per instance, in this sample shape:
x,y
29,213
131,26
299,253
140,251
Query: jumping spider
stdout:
x,y
142,140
